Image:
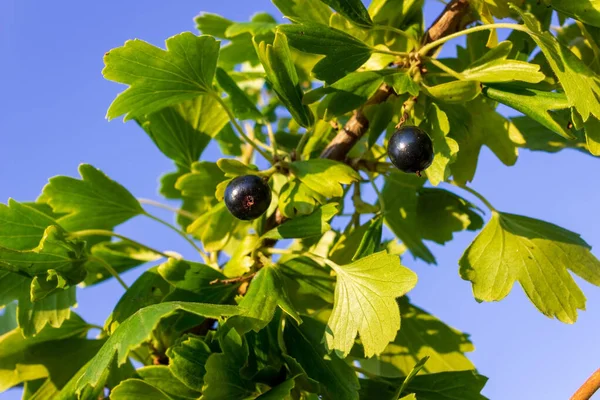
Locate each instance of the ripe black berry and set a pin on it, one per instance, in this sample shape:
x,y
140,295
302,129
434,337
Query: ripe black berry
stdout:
x,y
247,197
410,149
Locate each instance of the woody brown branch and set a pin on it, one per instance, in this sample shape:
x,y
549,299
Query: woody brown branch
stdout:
x,y
454,18
587,390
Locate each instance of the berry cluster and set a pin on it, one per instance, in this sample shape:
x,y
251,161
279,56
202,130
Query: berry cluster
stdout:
x,y
248,197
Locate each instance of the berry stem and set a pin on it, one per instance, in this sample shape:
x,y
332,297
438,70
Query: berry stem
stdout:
x,y
110,269
476,194
302,143
154,203
444,68
396,31
272,140
378,193
239,128
204,256
103,232
432,45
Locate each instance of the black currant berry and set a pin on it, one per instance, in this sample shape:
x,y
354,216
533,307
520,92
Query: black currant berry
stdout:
x,y
410,149
247,197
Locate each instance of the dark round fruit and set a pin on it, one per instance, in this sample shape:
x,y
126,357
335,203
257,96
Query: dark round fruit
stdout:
x,y
410,149
247,197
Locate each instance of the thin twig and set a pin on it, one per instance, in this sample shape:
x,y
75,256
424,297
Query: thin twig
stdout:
x,y
233,280
103,232
589,387
154,203
182,234
110,269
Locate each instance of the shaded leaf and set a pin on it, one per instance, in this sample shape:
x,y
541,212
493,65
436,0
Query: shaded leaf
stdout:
x,y
187,360
243,106
265,294
281,391
161,377
344,53
136,330
160,78
120,255
578,81
182,131
222,378
132,389
538,255
354,10
304,10
455,91
52,310
281,73
336,379
421,335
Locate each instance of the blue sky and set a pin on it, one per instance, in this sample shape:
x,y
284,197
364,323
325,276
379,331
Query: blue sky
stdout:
x,y
53,104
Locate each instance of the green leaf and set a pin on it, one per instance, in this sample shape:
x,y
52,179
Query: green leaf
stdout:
x,y
8,319
400,198
281,391
138,329
446,148
187,360
265,294
201,182
305,226
379,117
22,226
455,91
121,255
354,10
538,255
150,288
371,240
261,24
52,310
304,10
365,303
586,11
413,372
232,167
215,227
25,359
183,131
440,213
192,281
402,83
325,177
222,379
530,134
464,385
336,379
501,70
295,198
472,126
281,73
94,202
54,257
536,104
159,78
161,377
303,279
212,24
243,106
421,335
132,389
580,84
344,53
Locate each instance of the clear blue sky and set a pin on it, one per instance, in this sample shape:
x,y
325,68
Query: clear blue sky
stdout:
x,y
53,104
